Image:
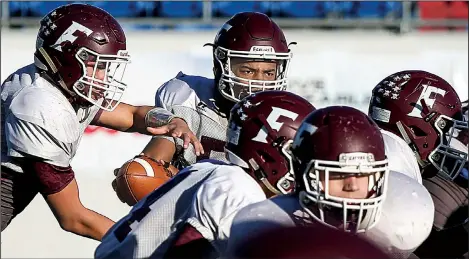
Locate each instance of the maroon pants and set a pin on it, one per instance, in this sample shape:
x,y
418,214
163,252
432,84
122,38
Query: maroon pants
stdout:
x,y
18,190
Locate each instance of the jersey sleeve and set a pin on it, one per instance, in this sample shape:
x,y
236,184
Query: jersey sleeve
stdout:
x,y
44,130
176,92
400,156
218,199
172,93
406,219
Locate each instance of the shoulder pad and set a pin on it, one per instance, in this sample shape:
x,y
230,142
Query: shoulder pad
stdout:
x,y
407,214
49,110
185,90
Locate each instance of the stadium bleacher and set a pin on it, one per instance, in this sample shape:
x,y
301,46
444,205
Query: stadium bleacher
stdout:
x,y
180,9
385,10
293,9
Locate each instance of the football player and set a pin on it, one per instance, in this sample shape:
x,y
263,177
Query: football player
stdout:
x,y
343,181
75,80
250,54
425,111
190,215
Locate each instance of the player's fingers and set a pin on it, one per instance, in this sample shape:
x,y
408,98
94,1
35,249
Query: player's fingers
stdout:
x,y
114,185
201,148
187,141
197,145
116,171
161,161
202,151
163,130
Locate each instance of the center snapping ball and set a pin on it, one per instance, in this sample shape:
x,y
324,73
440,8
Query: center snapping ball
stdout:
x,y
140,176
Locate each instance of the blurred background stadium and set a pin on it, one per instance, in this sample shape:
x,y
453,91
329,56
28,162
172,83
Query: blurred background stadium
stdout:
x,y
378,24
344,48
394,15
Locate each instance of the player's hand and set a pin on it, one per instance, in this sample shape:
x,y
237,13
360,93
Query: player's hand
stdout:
x,y
169,167
114,185
178,128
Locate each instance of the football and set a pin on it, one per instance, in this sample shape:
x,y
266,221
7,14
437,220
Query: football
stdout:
x,y
140,176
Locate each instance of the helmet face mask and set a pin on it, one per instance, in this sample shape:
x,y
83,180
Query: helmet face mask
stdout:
x,y
450,155
249,38
234,87
102,84
287,182
348,214
340,168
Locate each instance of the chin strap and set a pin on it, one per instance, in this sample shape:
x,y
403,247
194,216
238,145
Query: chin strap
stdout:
x,y
406,138
260,175
56,77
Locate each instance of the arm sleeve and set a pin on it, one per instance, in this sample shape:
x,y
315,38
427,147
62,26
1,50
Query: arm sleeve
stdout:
x,y
400,156
176,92
406,218
52,179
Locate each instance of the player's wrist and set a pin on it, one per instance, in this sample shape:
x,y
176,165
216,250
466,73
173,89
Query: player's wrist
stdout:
x,y
158,117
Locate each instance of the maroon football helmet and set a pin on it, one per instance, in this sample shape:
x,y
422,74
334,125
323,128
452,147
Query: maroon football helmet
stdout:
x,y
251,36
261,126
83,49
337,141
425,111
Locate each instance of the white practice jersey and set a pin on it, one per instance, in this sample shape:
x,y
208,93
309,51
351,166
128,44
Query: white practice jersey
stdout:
x,y
205,195
406,219
400,156
192,98
38,121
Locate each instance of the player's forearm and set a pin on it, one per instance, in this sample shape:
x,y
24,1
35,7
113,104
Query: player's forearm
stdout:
x,y
125,118
91,225
160,149
139,114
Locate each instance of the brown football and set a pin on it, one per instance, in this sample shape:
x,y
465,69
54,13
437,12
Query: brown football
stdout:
x,y
140,176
